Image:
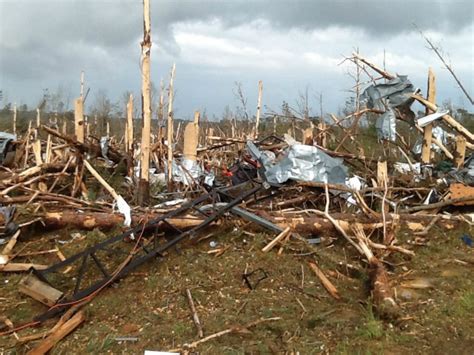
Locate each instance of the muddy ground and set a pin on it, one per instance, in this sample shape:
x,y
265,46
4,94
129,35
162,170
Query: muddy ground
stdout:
x,y
435,291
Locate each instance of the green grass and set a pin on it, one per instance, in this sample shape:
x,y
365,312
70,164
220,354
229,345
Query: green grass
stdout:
x,y
465,304
372,328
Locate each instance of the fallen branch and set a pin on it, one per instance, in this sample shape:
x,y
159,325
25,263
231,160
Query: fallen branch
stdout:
x,y
235,329
325,281
196,320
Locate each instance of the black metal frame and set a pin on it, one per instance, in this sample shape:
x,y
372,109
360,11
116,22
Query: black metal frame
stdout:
x,y
143,253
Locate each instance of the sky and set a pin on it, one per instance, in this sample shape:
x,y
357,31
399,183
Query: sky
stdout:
x,y
291,45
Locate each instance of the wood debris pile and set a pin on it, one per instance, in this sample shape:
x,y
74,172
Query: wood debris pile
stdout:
x,y
63,179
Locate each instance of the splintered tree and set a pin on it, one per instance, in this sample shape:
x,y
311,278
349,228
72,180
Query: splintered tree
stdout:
x,y
144,183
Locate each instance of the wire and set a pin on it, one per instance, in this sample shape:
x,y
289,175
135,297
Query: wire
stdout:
x,y
87,298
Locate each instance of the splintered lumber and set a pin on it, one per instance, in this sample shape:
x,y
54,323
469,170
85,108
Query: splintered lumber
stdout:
x,y
308,136
460,152
428,130
325,281
382,173
39,290
191,134
37,152
11,243
447,118
278,238
79,119
19,267
64,318
59,334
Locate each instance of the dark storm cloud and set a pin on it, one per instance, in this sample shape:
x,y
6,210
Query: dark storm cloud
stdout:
x,y
375,16
51,27
46,42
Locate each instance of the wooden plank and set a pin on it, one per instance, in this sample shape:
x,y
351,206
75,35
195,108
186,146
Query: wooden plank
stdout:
x,y
428,130
278,238
59,334
39,290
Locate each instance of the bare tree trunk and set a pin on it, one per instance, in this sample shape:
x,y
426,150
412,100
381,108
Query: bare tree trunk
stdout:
x,y
129,126
428,130
436,50
79,120
259,106
14,119
144,183
170,129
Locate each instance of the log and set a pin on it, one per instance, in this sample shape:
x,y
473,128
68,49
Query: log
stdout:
x,y
105,221
382,292
316,225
